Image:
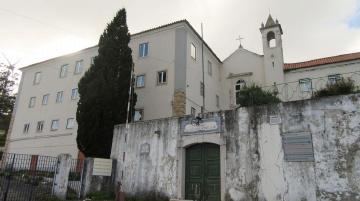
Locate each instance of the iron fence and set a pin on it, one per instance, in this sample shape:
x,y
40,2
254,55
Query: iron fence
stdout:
x,y
307,88
26,177
75,179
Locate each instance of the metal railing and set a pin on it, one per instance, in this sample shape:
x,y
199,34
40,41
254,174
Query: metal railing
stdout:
x,y
26,177
298,90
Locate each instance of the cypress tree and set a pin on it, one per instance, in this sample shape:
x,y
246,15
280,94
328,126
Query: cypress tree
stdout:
x,y
104,89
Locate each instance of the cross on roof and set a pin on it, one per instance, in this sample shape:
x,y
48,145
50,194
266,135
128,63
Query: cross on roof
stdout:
x,y
239,39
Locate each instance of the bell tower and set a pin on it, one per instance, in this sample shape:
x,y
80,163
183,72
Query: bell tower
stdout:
x,y
273,51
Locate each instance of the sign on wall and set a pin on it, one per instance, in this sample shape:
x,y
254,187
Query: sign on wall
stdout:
x,y
102,167
298,147
194,126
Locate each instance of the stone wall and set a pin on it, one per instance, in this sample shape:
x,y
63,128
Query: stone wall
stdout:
x,y
253,164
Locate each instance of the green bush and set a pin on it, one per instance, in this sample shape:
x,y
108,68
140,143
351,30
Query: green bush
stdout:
x,y
255,95
341,87
147,196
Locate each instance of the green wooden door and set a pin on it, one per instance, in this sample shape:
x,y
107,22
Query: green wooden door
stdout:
x,y
202,176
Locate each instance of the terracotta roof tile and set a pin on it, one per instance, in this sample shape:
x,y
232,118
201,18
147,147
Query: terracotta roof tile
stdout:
x,y
322,61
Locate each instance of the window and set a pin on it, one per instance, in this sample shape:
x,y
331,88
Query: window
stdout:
x,y
139,115
332,79
37,78
40,126
239,84
63,70
271,39
209,68
32,102
78,67
26,128
92,61
74,94
55,125
161,77
140,81
193,51
45,99
193,112
305,85
217,101
202,90
59,96
143,49
70,123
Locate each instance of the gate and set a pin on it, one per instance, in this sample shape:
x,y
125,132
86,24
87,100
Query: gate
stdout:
x,y
202,174
26,177
75,179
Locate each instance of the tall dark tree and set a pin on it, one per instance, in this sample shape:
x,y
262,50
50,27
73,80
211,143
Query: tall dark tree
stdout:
x,y
7,98
104,90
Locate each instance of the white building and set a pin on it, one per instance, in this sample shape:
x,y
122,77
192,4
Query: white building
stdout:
x,y
168,64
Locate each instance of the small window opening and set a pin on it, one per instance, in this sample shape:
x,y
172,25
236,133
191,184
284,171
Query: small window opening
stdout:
x,y
271,39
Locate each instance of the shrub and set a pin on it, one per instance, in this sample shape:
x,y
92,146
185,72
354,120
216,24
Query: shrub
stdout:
x,y
255,95
147,196
341,87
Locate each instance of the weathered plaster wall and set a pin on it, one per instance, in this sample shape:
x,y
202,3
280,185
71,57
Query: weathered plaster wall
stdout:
x,y
147,160
254,165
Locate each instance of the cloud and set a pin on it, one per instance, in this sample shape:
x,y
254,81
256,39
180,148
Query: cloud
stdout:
x,y
312,29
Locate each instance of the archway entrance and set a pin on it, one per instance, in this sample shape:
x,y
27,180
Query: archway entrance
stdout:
x,y
202,172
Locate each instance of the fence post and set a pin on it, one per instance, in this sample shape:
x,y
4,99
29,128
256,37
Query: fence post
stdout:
x,y
87,175
62,176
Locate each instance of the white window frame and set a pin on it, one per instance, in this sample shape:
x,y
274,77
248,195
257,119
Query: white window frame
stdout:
x,y
53,124
74,93
160,77
209,68
79,66
92,60
59,96
193,111
141,111
45,101
70,123
40,126
305,85
239,83
32,102
137,83
26,128
64,70
143,49
193,51
37,78
332,79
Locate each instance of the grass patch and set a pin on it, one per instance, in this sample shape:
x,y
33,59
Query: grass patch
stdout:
x,y
103,196
147,196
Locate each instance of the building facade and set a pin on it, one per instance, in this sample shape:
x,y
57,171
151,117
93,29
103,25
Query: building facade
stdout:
x,y
169,63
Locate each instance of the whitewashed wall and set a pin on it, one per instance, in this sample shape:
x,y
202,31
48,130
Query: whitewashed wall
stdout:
x,y
254,163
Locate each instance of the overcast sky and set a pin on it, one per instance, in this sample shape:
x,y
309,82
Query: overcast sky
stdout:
x,y
32,31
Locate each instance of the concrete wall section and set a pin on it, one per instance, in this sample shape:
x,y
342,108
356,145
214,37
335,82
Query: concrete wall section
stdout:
x,y
252,153
147,160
